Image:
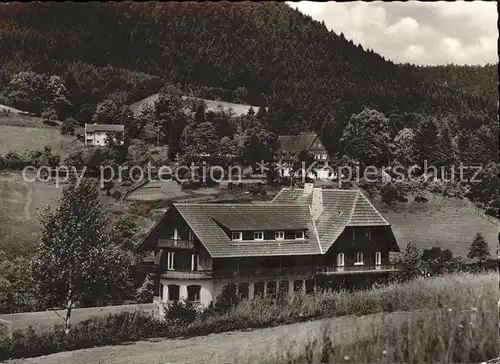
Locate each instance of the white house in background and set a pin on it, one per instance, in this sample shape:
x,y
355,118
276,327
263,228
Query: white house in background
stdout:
x,y
96,134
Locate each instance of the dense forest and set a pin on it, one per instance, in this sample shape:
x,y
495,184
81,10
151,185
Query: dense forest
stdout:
x,y
266,54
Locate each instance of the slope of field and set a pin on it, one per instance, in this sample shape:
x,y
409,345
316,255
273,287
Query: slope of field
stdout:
x,y
19,203
157,190
212,105
23,138
449,223
229,347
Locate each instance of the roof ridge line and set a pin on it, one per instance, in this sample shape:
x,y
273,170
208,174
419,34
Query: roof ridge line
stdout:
x,y
316,230
353,208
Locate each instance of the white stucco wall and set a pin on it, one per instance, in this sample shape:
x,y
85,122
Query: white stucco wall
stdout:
x,y
206,289
96,138
210,289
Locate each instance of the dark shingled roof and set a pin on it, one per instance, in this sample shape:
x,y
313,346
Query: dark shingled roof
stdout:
x,y
296,143
105,127
250,220
341,208
203,218
290,210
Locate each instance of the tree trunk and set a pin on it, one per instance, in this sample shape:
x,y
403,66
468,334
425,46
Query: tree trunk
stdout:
x,y
69,306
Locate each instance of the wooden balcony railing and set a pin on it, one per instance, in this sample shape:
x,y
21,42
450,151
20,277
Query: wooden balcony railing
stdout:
x,y
277,272
265,272
175,243
351,269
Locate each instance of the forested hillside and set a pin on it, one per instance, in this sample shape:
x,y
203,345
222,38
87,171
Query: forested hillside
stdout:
x,y
260,53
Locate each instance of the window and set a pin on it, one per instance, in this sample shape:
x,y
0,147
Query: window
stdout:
x,y
194,293
299,235
258,289
173,292
283,288
176,234
237,235
271,288
258,235
323,156
297,285
340,260
369,234
243,290
309,286
378,258
353,234
359,259
190,237
279,235
170,260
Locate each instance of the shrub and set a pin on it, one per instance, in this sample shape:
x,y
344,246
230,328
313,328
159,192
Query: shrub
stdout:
x,y
227,298
410,264
49,114
68,126
190,185
420,198
14,161
388,193
116,195
180,312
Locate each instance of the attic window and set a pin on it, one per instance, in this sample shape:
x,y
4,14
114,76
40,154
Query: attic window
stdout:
x,y
258,235
339,213
299,235
237,235
279,235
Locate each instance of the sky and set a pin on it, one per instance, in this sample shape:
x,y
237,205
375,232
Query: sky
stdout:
x,y
423,33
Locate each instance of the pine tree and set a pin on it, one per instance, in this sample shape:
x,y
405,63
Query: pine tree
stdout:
x,y
411,263
426,141
479,249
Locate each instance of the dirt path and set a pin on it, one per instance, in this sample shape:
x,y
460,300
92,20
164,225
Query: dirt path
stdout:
x,y
231,347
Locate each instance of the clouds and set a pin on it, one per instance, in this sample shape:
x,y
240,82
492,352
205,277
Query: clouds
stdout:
x,y
415,32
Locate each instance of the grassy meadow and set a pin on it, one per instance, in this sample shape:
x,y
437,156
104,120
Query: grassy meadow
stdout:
x,y
447,222
444,319
453,319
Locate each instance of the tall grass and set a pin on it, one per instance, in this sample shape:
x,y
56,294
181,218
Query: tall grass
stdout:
x,y
429,300
443,336
457,290
452,319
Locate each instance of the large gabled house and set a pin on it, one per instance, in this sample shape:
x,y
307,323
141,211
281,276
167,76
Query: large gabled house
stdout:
x,y
304,238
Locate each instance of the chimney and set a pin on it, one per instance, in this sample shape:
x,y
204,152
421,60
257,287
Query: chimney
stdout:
x,y
317,202
308,188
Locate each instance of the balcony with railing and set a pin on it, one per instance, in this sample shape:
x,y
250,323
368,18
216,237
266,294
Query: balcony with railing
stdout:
x,y
279,272
356,269
175,244
241,273
265,272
